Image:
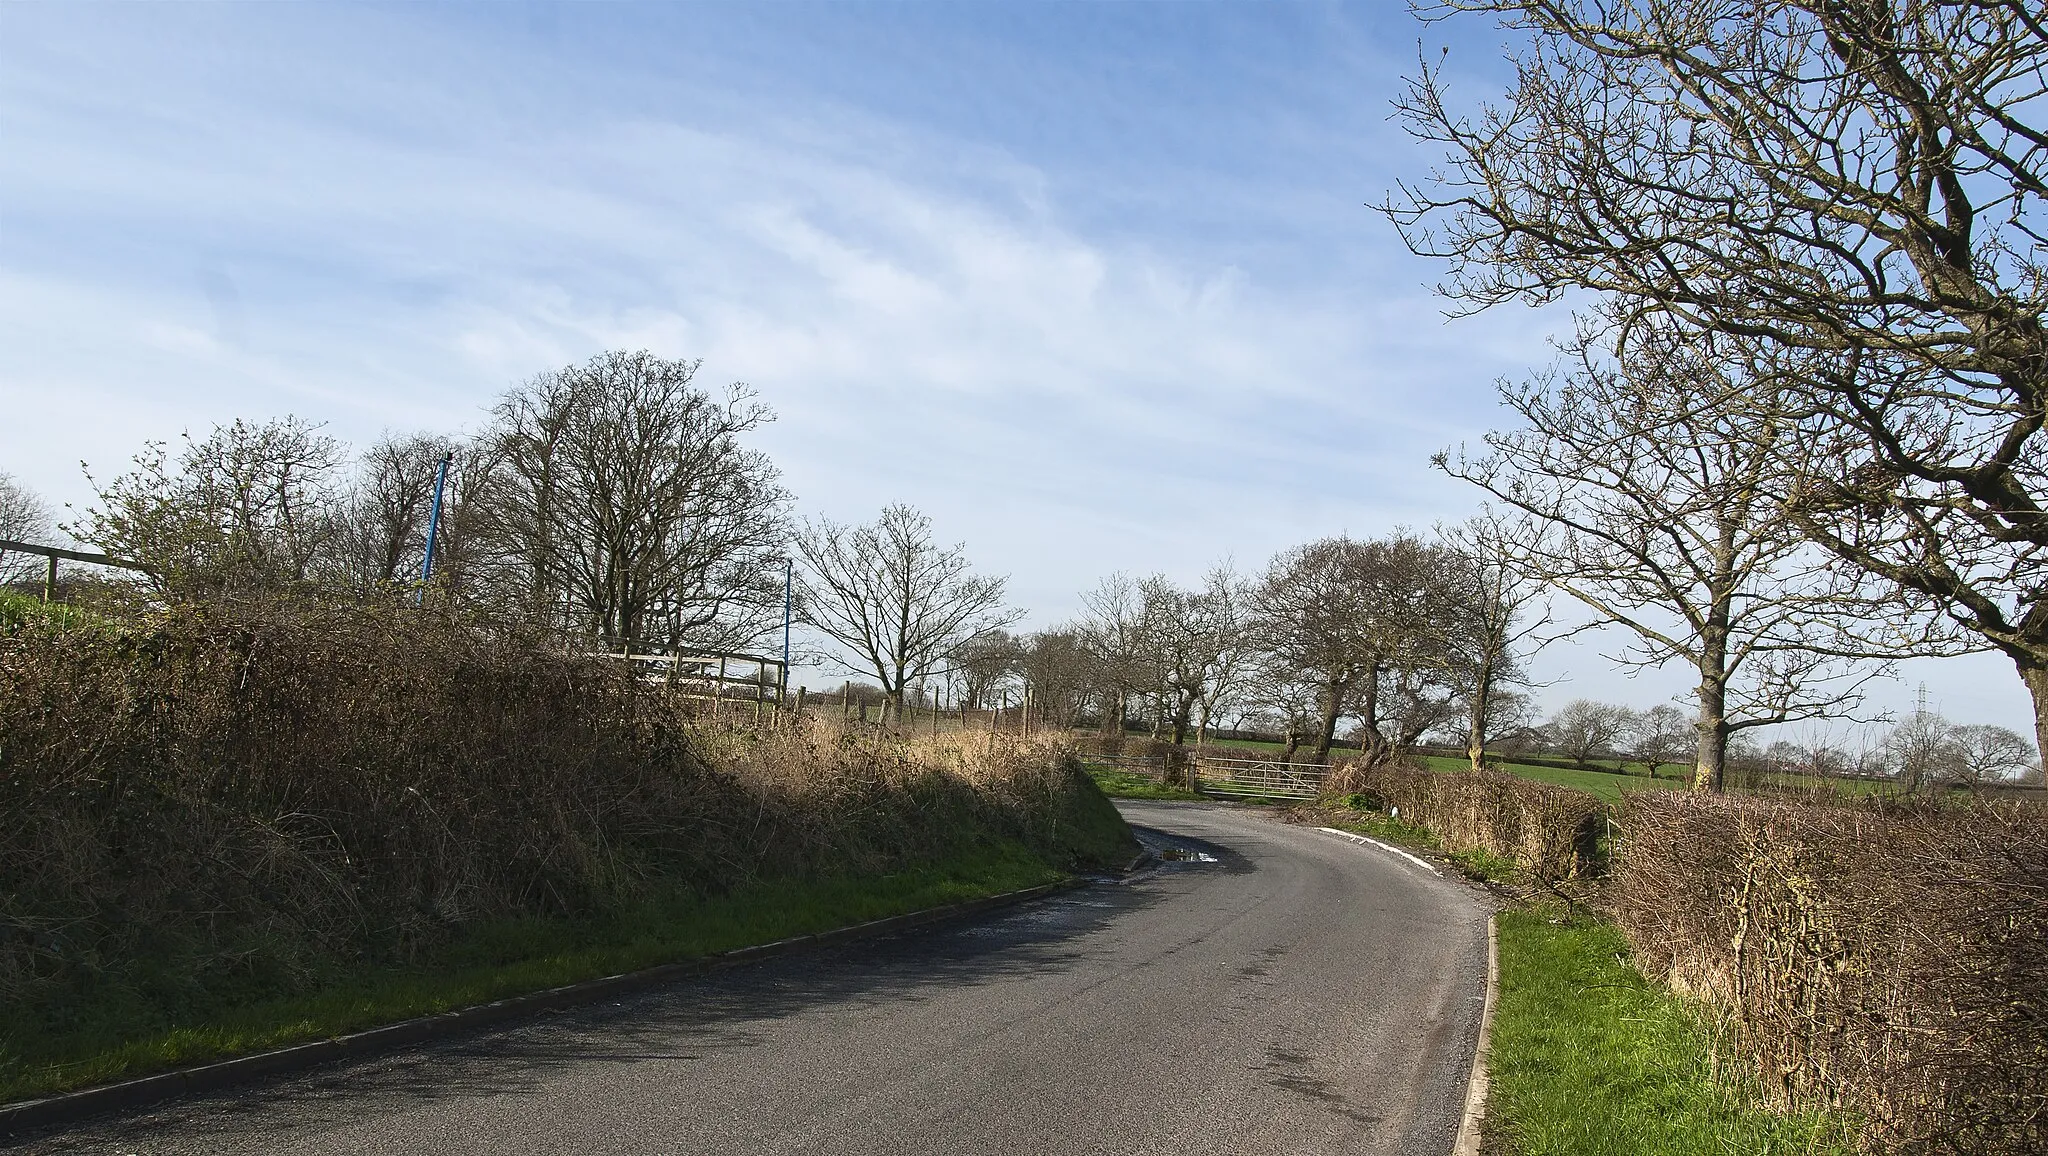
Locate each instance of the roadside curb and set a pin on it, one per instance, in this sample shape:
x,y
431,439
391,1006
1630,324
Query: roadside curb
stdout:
x,y
1475,1088
70,1107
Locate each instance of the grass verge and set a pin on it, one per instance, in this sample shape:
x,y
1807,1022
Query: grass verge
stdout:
x,y
1590,1059
1476,864
496,960
1126,785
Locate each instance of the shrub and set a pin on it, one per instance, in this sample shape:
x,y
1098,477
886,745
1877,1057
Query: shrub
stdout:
x,y
1547,830
1888,959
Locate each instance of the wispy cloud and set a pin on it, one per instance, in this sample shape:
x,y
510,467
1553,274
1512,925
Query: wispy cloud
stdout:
x,y
1097,295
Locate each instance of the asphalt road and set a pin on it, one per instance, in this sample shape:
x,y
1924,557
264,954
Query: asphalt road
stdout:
x,y
1300,994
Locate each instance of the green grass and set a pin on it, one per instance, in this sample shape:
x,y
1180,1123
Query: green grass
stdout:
x,y
1126,785
497,960
19,610
1605,785
1589,1059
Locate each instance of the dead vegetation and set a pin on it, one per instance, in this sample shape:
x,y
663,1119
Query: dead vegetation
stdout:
x,y
236,799
1549,831
1886,959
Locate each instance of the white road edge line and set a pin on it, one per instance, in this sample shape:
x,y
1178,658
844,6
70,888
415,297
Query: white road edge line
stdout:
x,y
1425,864
1475,1088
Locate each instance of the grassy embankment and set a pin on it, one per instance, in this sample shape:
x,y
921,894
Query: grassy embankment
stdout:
x,y
228,828
1118,784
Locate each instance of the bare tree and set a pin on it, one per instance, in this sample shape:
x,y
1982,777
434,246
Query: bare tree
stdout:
x,y
1288,696
1316,618
248,507
1343,614
1194,642
622,503
1921,750
1498,611
1856,188
1664,525
1059,668
383,531
1112,625
985,663
1993,754
23,518
1584,730
1661,735
893,598
1227,606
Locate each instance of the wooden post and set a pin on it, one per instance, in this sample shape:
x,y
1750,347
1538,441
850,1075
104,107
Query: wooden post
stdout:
x,y
799,704
845,700
50,580
718,704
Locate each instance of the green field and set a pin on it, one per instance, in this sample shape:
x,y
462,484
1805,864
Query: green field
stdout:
x,y
1606,779
1605,785
1118,784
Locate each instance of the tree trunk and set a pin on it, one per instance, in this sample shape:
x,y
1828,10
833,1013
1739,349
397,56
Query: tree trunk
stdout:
x,y
1333,707
1482,705
1709,773
1292,745
1710,769
2034,672
1182,713
1372,745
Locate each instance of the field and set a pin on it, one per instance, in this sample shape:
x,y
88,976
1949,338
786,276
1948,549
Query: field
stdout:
x,y
1604,778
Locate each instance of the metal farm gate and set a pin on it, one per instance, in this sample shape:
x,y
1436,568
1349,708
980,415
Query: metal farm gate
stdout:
x,y
1244,778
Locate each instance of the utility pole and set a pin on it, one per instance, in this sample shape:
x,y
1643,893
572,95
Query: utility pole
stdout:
x,y
433,526
788,573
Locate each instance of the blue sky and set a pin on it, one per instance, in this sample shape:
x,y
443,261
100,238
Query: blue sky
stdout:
x,y
1094,285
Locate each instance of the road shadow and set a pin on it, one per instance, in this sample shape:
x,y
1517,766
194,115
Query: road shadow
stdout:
x,y
690,1019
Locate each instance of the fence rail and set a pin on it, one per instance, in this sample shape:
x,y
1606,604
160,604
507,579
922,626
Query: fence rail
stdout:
x,y
714,676
1244,778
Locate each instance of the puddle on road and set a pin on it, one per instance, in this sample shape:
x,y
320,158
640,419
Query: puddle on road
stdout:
x,y
1178,855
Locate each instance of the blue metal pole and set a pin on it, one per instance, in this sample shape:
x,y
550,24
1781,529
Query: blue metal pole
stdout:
x,y
788,569
433,526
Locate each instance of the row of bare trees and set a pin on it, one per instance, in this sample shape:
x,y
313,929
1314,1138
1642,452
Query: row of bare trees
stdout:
x,y
612,499
1405,635
1921,750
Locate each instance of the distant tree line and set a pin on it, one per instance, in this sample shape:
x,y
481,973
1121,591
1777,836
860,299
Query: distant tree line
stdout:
x,y
1403,635
1922,750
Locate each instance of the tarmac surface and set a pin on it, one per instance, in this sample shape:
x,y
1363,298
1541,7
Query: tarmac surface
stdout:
x,y
1269,989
